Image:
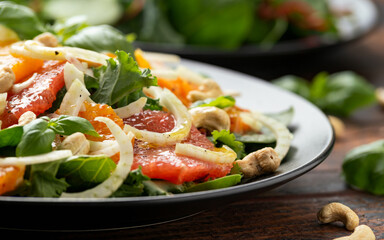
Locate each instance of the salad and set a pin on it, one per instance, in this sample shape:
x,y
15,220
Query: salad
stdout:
x,y
96,118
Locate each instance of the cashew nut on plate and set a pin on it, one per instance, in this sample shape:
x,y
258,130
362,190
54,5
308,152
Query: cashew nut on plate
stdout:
x,y
77,143
7,78
362,232
335,211
260,162
210,118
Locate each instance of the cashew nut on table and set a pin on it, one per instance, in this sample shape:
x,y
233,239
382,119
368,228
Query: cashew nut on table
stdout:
x,y
335,211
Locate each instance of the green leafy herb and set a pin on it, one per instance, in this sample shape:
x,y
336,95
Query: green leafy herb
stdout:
x,y
37,138
10,137
83,172
66,28
133,185
119,79
337,94
41,181
100,39
224,137
219,102
363,167
67,125
39,134
218,183
20,19
217,23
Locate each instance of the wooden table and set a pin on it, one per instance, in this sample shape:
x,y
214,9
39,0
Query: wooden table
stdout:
x,y
289,212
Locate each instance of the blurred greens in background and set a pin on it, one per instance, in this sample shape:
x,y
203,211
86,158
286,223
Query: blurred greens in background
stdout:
x,y
226,24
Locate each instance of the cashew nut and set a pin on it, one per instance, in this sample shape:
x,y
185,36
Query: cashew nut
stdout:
x,y
337,125
7,78
338,212
207,89
210,118
26,118
362,232
47,39
260,162
77,143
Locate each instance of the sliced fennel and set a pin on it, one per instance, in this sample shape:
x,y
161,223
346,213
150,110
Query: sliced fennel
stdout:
x,y
281,132
3,102
132,108
73,100
71,73
176,107
106,188
221,155
34,49
41,158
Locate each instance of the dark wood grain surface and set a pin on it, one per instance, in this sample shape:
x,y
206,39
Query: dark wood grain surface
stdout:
x,y
289,212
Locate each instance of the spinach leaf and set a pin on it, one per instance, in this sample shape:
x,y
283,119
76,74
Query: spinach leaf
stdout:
x,y
218,183
216,23
154,25
133,185
219,102
100,38
363,167
41,181
295,84
83,172
119,79
338,94
10,137
224,137
20,19
65,29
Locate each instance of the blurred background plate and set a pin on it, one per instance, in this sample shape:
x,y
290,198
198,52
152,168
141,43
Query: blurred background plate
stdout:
x,y
312,143
363,18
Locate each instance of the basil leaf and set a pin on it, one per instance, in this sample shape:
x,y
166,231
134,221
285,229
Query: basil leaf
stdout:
x,y
224,137
20,19
10,137
67,125
342,93
100,39
338,94
219,102
65,29
119,79
363,167
36,139
294,84
218,183
83,172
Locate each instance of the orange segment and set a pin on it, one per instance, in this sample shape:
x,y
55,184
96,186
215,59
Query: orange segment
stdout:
x,y
178,87
22,67
10,176
141,61
237,124
93,110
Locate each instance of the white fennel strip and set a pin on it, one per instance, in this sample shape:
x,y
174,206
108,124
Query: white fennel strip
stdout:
x,y
41,158
220,155
281,132
106,188
73,99
183,119
132,108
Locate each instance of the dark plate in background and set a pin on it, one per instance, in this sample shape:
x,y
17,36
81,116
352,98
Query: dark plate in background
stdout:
x,y
313,141
365,17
